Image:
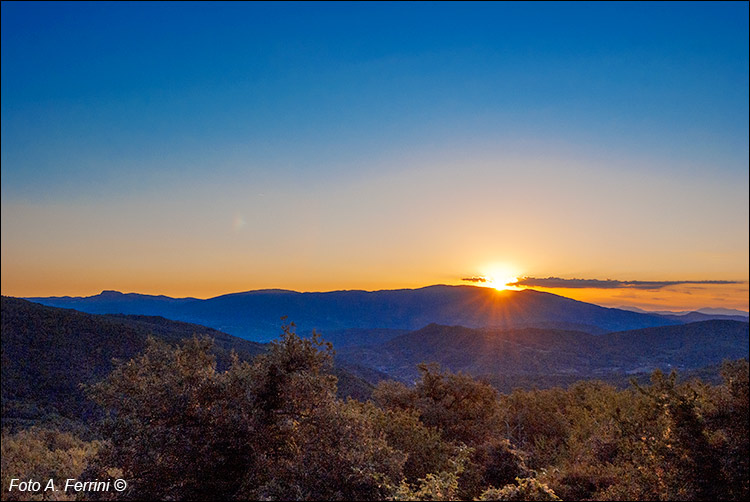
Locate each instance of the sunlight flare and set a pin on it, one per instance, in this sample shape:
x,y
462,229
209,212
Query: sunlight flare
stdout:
x,y
501,278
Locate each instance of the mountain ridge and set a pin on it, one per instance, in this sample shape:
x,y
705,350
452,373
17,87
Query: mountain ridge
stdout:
x,y
255,315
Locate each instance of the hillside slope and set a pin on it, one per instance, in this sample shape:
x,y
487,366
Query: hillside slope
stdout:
x,y
48,352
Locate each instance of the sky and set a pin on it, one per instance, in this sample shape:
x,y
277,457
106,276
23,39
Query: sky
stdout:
x,y
197,149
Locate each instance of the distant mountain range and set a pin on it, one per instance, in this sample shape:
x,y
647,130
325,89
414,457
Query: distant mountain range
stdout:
x,y
256,315
707,311
704,314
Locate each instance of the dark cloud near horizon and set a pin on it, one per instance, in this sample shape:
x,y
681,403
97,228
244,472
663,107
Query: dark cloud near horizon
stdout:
x,y
558,282
474,279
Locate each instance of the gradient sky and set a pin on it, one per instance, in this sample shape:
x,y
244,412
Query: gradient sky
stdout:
x,y
197,149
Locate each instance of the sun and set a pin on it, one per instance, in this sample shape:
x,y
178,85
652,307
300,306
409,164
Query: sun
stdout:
x,y
498,277
502,283
501,278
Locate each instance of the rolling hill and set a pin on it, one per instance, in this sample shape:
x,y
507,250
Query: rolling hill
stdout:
x,y
524,354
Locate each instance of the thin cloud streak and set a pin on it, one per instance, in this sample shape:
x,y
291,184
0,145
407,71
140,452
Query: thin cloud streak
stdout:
x,y
558,282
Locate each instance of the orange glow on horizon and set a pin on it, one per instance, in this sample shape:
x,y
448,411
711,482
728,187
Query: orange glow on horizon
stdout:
x,y
674,298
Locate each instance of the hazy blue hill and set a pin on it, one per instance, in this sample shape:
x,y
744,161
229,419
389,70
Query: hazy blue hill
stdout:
x,y
170,330
538,355
700,316
114,302
360,336
704,314
524,351
688,346
255,315
723,311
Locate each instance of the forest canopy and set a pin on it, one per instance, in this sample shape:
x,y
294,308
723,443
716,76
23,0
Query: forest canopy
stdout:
x,y
177,427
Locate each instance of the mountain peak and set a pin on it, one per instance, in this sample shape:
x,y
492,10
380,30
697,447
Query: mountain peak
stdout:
x,y
111,293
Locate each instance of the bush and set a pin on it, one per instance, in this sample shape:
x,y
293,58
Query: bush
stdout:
x,y
526,489
43,454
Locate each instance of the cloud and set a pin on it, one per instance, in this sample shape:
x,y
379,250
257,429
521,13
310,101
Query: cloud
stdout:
x,y
475,279
557,282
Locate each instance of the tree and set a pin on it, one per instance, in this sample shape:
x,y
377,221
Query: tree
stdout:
x,y
460,407
466,412
424,447
270,428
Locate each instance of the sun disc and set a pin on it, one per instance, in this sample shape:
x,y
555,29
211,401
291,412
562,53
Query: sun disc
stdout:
x,y
502,278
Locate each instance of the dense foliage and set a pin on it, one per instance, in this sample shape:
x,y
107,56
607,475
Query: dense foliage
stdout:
x,y
177,426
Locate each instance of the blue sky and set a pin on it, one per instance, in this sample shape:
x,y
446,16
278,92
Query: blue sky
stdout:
x,y
157,103
331,82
